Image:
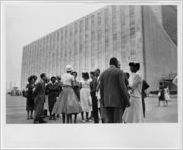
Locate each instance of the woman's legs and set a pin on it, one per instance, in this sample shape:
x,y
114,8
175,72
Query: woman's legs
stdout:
x,y
69,118
50,114
87,114
63,117
82,115
75,118
31,116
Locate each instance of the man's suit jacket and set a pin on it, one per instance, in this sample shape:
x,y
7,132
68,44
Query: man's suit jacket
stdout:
x,y
113,90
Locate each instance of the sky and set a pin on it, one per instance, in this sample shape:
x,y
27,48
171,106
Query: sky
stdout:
x,y
25,22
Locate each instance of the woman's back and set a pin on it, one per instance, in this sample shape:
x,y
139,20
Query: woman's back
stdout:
x,y
136,85
67,79
86,84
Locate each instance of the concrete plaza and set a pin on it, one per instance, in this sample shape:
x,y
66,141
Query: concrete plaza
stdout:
x,y
16,113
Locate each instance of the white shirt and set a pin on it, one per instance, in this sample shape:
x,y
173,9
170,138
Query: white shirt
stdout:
x,y
135,83
67,79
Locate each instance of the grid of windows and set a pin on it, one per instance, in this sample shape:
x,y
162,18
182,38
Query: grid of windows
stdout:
x,y
87,43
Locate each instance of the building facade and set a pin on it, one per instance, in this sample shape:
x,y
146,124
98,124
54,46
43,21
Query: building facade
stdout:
x,y
90,42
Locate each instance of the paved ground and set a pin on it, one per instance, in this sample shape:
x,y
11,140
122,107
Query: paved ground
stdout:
x,y
16,114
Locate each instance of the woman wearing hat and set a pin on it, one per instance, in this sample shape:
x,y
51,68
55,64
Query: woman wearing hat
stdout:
x,y
30,96
67,102
85,97
134,113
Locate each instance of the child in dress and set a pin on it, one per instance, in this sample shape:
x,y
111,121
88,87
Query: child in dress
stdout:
x,y
85,97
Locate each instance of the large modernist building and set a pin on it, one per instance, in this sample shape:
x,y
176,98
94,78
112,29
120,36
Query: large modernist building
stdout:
x,y
130,33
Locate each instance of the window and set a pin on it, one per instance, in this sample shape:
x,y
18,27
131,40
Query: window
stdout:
x,y
65,32
86,24
106,41
92,35
76,28
99,18
114,12
81,26
70,32
99,35
132,10
132,31
114,36
57,36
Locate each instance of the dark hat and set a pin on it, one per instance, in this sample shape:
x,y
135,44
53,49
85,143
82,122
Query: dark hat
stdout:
x,y
85,75
53,77
131,64
32,77
135,65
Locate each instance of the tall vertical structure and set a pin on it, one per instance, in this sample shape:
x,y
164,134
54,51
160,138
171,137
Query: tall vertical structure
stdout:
x,y
130,33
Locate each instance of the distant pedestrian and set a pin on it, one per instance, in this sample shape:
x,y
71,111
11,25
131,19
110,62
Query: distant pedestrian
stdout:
x,y
39,93
167,94
30,96
113,91
161,94
175,81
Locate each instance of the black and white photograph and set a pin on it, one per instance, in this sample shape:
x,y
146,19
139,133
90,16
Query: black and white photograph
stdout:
x,y
90,64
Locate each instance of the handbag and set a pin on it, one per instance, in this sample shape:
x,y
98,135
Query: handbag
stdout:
x,y
25,93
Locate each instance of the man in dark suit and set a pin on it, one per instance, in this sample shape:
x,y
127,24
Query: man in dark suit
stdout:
x,y
39,100
114,94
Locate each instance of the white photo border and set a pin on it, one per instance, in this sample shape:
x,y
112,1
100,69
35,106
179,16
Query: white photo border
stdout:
x,y
100,136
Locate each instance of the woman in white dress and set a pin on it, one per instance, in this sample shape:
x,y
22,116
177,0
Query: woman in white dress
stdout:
x,y
67,102
85,97
135,112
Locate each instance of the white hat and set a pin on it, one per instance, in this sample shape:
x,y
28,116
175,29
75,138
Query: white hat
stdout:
x,y
69,68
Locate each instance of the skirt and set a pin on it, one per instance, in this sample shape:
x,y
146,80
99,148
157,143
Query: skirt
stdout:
x,y
134,113
67,102
86,101
30,104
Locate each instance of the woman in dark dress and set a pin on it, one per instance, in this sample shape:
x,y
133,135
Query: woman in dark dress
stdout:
x,y
30,96
52,89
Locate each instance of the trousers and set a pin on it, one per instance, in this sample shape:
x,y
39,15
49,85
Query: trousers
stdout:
x,y
95,107
113,115
39,107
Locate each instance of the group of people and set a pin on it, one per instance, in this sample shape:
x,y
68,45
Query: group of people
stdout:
x,y
112,96
163,94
